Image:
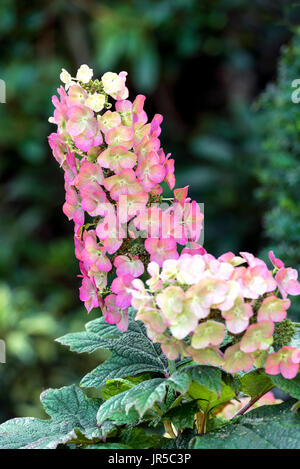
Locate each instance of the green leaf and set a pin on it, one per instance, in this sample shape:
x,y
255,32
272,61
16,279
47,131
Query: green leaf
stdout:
x,y
138,438
208,400
179,381
115,386
108,446
290,386
268,427
183,416
132,351
71,413
233,381
256,383
98,334
208,376
137,401
182,442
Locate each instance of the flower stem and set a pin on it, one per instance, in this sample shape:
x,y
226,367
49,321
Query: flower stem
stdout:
x,y
252,402
169,428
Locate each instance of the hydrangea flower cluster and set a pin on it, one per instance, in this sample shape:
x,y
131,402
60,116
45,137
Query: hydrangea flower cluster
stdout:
x,y
113,169
219,312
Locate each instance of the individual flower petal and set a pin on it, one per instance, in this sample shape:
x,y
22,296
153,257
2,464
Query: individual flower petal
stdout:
x,y
203,295
180,195
120,135
206,356
114,84
231,258
120,286
273,309
255,281
237,317
132,266
130,205
193,249
275,261
109,120
207,334
65,76
95,254
84,73
123,183
154,282
93,199
88,294
151,317
89,173
149,220
236,360
287,282
257,337
285,361
112,313
95,102
117,158
161,249
72,207
179,319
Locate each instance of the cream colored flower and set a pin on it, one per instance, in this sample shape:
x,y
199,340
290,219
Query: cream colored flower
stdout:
x,y
96,102
65,76
84,73
112,82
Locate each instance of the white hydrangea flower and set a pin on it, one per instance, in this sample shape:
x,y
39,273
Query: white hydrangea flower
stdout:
x,y
170,269
191,269
65,76
112,82
84,73
96,102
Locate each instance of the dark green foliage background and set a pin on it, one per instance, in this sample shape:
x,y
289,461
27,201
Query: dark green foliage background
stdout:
x,y
202,65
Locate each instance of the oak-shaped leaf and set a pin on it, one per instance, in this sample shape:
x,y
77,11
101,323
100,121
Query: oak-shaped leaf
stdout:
x,y
132,351
135,402
72,415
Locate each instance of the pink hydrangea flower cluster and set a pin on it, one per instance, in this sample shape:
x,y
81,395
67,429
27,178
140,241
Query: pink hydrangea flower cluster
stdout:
x,y
113,169
219,312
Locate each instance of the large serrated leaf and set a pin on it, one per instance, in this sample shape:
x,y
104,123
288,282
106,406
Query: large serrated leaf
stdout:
x,y
133,353
98,334
269,427
208,400
70,411
183,416
139,438
290,386
233,381
138,400
179,381
208,376
256,383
